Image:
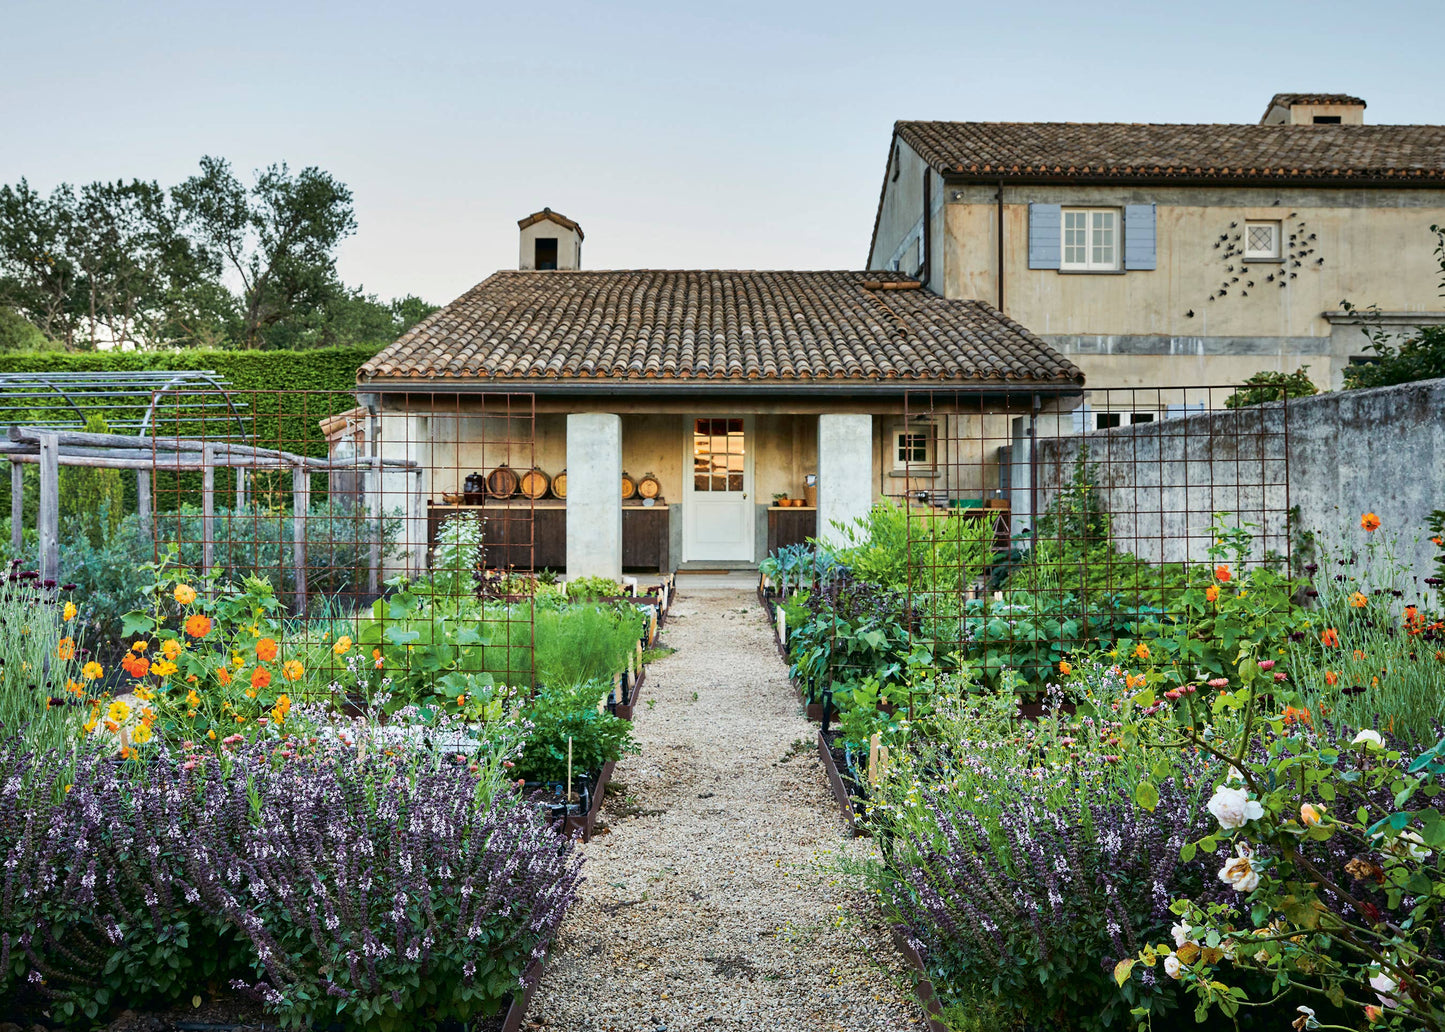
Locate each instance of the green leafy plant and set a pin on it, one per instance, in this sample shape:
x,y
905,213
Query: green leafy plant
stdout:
x,y
571,712
584,643
1272,385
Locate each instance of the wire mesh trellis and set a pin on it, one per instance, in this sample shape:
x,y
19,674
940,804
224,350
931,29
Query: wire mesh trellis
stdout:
x,y
386,536
1043,528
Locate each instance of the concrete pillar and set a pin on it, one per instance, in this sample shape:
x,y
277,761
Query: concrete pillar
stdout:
x,y
594,495
845,471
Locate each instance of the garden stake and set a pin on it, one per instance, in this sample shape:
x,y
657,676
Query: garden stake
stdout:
x,y
827,708
568,798
872,759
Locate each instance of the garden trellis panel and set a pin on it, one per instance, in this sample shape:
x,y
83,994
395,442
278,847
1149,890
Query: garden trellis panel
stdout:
x,y
391,571
1041,527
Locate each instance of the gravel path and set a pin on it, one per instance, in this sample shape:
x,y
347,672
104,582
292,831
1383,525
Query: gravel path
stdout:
x,y
707,903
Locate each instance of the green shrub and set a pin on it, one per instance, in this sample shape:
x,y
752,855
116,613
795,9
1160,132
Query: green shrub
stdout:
x,y
1272,385
564,712
94,498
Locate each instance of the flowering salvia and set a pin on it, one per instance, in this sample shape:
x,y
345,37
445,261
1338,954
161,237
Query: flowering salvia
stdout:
x,y
325,883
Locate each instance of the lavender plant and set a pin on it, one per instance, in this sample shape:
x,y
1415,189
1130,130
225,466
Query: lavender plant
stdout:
x,y
387,889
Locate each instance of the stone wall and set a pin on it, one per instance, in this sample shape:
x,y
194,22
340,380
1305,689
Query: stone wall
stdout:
x,y
1346,453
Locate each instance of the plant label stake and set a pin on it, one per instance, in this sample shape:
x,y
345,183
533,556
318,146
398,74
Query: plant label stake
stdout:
x,y
872,760
782,627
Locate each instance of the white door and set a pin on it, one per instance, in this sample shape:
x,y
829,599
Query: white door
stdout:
x,y
717,493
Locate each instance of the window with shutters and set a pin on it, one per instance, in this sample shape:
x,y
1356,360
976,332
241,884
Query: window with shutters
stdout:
x,y
1090,239
1261,241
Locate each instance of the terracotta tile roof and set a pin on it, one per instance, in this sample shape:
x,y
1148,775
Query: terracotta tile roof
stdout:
x,y
782,328
552,216
1288,99
1258,153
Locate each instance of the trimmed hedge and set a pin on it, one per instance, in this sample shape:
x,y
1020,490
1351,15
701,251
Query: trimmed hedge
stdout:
x,y
315,384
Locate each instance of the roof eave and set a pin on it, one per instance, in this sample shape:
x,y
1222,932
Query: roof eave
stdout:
x,y
1408,181
732,388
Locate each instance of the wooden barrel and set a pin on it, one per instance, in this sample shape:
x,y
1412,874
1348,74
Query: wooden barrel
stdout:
x,y
535,483
629,487
648,487
502,482
559,485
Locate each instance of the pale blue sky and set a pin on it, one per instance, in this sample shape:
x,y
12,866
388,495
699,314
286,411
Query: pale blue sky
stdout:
x,y
730,135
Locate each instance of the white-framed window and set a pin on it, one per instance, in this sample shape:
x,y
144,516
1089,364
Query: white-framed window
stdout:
x,y
1091,239
1261,240
913,447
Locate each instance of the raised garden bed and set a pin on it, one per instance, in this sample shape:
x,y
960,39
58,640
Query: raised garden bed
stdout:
x,y
833,768
922,984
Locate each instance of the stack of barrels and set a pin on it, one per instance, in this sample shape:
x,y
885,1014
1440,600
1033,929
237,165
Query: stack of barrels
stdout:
x,y
504,482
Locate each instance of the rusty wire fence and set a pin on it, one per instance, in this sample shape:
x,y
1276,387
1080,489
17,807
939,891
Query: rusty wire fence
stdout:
x,y
389,536
1041,529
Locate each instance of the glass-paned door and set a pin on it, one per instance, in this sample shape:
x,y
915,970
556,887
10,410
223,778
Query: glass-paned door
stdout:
x,y
717,504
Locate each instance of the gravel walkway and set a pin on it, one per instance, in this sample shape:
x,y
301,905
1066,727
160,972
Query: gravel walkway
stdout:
x,y
707,903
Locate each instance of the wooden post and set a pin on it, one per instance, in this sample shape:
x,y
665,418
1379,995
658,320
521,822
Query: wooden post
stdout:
x,y
208,510
240,488
143,500
49,521
300,508
17,507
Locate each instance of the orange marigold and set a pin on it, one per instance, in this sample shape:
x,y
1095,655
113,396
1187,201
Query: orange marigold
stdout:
x,y
266,649
198,626
292,670
139,646
1370,522
1358,600
260,678
1221,573
185,594
171,648
1331,637
65,649
223,675
1331,678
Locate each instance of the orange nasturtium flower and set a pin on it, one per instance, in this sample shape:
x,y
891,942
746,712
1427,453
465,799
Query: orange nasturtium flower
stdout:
x,y
1331,678
65,649
136,666
1331,637
1370,522
185,594
1064,668
260,678
378,661
223,675
342,646
1360,655
1221,572
1141,650
1438,542
292,669
266,649
198,626
139,646
92,671
1211,593
192,699
1358,600
171,648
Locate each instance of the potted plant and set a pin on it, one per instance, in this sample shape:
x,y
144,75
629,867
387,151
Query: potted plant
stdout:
x,y
781,500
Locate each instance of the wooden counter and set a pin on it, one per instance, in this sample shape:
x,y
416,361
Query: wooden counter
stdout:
x,y
790,526
521,534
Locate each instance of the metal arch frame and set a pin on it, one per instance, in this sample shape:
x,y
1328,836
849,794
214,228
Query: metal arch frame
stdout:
x,y
179,379
68,389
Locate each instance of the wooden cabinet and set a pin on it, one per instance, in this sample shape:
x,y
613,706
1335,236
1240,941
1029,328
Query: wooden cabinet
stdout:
x,y
522,535
790,526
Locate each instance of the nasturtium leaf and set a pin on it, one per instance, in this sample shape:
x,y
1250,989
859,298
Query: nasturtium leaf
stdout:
x,y
1146,795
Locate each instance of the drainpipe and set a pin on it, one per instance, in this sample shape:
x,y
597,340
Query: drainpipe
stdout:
x,y
999,198
927,273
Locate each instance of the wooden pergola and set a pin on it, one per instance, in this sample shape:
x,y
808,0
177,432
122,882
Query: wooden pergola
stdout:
x,y
49,449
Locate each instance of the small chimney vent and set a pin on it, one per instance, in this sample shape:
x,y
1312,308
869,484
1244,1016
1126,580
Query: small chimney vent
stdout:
x,y
549,242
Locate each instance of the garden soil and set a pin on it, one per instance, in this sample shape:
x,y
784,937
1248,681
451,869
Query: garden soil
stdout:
x,y
709,902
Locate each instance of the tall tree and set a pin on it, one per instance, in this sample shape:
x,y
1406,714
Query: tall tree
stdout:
x,y
37,270
279,237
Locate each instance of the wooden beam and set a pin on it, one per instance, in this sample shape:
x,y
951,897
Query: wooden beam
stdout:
x,y
208,513
17,507
300,509
49,521
143,500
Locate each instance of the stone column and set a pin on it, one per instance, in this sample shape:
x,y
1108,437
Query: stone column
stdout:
x,y
845,471
594,495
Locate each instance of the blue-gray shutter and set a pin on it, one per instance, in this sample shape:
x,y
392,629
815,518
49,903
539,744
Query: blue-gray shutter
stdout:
x,y
1139,249
1045,231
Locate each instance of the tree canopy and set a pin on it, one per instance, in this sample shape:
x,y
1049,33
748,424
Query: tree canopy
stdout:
x,y
211,261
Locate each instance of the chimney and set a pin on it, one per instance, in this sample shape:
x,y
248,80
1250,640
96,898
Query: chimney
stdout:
x,y
549,241
1314,109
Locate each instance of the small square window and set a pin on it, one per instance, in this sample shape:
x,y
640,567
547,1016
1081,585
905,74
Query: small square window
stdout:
x,y
1091,238
1108,420
1142,417
912,448
1261,240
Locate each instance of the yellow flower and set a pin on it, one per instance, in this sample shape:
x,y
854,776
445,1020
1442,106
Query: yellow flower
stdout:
x,y
89,726
164,668
1211,593
1064,668
140,646
92,670
171,648
141,735
68,613
118,712
342,646
192,699
185,594
237,661
292,669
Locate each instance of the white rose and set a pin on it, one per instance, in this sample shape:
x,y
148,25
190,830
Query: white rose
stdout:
x,y
1172,966
1368,738
1239,871
1383,985
1232,807
1181,933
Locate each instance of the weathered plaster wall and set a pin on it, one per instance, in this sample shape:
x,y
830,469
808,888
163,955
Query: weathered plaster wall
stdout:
x,y
1349,452
1372,247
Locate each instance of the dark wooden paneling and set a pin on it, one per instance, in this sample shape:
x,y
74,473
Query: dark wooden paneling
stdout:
x,y
790,526
646,534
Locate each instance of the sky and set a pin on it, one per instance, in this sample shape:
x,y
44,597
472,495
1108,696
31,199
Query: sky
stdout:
x,y
680,135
